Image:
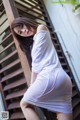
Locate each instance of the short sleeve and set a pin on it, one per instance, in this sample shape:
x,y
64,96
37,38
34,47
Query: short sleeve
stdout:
x,y
40,46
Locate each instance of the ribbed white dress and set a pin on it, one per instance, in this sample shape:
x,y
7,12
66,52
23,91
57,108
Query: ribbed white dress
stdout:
x,y
52,88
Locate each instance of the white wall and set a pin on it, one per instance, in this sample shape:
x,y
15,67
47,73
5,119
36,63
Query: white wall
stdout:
x,y
67,25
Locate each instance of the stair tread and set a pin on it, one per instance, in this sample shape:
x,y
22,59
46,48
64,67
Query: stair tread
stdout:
x,y
74,93
76,112
15,94
17,115
54,39
8,56
10,65
6,38
67,70
7,47
73,85
59,51
61,57
75,102
14,105
64,63
11,75
15,84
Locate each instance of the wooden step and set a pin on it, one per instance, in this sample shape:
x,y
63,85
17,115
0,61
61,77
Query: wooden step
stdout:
x,y
14,105
59,51
12,64
2,22
75,102
16,116
54,39
8,56
57,46
73,86
63,64
29,9
67,71
20,10
74,93
16,94
7,77
33,6
7,47
52,33
1,4
15,84
60,57
76,112
6,38
3,12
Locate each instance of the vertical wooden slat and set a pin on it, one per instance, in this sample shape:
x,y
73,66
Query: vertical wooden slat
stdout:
x,y
12,13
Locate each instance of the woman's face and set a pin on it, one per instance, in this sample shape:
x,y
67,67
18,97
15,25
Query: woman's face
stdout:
x,y
22,30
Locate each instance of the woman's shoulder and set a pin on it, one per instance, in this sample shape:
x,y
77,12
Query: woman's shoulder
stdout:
x,y
42,32
42,27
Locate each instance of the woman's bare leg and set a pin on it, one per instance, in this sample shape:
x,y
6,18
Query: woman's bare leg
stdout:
x,y
62,116
28,111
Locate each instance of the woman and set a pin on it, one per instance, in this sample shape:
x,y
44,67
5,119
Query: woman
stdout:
x,y
50,87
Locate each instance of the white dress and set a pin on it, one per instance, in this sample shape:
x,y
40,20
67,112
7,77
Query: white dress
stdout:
x,y
52,88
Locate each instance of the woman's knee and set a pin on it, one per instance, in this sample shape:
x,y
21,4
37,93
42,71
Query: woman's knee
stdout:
x,y
23,104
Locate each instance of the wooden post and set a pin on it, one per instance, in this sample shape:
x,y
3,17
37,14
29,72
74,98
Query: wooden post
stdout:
x,y
12,13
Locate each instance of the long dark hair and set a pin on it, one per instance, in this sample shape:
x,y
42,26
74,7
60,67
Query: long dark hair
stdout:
x,y
24,42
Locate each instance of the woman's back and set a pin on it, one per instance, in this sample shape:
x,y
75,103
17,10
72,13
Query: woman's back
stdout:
x,y
43,52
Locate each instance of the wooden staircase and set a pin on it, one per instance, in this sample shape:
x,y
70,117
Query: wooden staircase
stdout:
x,y
13,82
